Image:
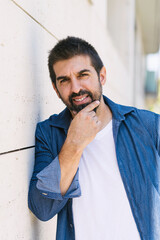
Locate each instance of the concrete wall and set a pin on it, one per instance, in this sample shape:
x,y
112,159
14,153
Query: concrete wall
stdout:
x,y
28,30
139,68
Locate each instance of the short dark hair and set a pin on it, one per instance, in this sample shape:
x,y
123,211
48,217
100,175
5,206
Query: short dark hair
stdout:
x,y
70,47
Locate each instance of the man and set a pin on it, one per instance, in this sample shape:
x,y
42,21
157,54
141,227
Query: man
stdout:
x,y
96,163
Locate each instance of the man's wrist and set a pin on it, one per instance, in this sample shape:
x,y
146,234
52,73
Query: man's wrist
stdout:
x,y
74,146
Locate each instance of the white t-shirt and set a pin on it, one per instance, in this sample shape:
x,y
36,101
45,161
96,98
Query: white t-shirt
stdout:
x,y
103,211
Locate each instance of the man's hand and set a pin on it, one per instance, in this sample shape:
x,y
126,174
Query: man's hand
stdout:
x,y
84,126
82,131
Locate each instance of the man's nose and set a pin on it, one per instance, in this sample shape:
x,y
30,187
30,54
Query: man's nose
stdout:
x,y
76,86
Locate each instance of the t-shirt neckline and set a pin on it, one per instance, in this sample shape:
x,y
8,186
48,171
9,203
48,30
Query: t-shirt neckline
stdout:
x,y
104,131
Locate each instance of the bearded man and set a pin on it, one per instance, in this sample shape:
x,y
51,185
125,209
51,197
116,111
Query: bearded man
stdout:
x,y
97,163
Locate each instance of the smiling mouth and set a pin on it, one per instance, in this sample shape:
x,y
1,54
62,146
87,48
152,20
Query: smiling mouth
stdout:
x,y
79,99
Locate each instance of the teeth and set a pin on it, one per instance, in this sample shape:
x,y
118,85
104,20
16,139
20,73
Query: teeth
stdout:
x,y
78,100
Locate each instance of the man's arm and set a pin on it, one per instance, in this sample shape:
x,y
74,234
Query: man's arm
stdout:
x,y
57,179
82,131
46,200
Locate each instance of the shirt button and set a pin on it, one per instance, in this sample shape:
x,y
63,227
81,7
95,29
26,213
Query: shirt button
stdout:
x,y
71,225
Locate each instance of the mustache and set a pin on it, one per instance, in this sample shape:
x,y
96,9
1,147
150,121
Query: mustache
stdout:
x,y
81,92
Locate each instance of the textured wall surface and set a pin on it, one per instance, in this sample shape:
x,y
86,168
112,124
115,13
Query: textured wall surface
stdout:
x,y
28,30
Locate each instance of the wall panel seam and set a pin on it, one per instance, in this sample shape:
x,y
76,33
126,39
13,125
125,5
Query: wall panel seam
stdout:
x,y
35,20
16,150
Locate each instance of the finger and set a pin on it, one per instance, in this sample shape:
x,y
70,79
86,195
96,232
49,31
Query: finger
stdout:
x,y
91,106
92,114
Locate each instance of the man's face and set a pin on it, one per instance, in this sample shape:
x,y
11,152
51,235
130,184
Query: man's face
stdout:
x,y
77,82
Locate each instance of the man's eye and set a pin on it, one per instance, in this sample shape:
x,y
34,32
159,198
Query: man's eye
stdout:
x,y
63,80
83,75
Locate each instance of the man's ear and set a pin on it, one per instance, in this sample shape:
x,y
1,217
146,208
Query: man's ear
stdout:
x,y
56,90
102,75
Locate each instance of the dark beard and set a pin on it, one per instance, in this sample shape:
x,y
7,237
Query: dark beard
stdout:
x,y
77,108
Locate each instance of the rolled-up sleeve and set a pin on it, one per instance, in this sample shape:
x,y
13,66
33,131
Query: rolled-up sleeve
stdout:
x,y
49,182
45,198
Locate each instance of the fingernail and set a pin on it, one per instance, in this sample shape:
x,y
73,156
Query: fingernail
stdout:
x,y
97,101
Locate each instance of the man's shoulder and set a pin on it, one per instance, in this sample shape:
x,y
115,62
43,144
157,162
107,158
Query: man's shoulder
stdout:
x,y
147,116
60,120
150,119
120,111
144,113
43,128
141,119
48,121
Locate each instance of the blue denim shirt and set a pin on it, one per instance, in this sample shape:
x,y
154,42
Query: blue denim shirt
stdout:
x,y
137,139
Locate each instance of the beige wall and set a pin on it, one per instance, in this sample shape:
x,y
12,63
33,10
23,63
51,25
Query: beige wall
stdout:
x,y
139,68
28,30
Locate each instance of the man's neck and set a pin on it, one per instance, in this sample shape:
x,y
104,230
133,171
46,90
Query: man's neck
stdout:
x,y
104,113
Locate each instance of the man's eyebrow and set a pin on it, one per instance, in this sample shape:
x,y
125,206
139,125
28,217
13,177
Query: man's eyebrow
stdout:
x,y
84,70
65,77
62,77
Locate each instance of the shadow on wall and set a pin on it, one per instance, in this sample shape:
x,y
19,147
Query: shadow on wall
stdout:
x,y
34,46
36,52
35,227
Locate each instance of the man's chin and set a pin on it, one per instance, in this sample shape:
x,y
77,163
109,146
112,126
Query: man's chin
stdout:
x,y
78,108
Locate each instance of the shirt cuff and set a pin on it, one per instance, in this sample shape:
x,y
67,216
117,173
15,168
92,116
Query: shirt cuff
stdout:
x,y
49,182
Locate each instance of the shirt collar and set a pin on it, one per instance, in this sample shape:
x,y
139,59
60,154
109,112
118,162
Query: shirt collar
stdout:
x,y
118,111
63,119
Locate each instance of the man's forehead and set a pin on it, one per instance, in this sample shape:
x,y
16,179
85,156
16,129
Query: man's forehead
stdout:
x,y
74,64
